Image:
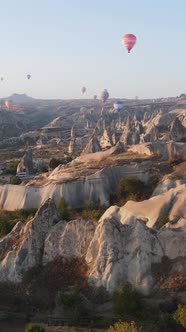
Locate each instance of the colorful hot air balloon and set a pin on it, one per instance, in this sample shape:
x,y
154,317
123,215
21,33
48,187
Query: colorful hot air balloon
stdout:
x,y
83,89
104,95
28,76
118,105
128,41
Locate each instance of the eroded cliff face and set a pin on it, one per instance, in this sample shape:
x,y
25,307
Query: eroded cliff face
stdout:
x,y
123,246
75,186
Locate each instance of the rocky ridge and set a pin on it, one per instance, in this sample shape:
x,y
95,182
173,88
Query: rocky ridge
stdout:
x,y
123,246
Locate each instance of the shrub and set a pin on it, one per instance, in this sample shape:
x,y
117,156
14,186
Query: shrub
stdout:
x,y
126,300
69,299
15,180
180,315
12,167
129,188
35,328
8,219
124,327
6,227
162,219
91,213
99,295
73,304
56,162
63,209
165,322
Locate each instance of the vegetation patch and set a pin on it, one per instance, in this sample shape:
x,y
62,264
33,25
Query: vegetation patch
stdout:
x,y
180,315
32,327
131,189
8,219
126,300
124,327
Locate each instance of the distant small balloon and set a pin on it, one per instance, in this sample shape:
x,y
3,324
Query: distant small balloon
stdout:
x,y
95,97
28,76
128,41
83,89
118,105
104,95
2,78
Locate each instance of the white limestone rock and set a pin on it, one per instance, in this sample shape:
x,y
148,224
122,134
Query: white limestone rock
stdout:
x,y
69,240
123,252
24,245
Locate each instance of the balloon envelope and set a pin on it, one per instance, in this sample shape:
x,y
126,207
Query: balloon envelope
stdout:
x,y
104,95
28,76
95,96
128,41
83,89
2,78
118,105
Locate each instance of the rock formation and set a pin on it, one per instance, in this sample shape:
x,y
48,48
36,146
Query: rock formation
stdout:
x,y
123,246
23,247
92,146
26,163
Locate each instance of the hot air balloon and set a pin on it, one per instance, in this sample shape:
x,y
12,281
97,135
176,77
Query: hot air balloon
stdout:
x,y
118,105
28,76
104,95
2,78
8,104
83,89
95,97
128,41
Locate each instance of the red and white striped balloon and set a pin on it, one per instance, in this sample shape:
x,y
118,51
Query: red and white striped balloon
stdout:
x,y
128,41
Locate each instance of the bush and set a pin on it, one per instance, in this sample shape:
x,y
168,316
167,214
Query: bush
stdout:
x,y
162,219
15,180
35,328
126,300
98,295
124,327
180,315
12,167
6,227
74,305
166,323
56,162
129,189
63,209
8,219
68,299
91,213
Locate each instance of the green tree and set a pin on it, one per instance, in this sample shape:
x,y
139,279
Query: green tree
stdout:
x,y
53,163
128,189
124,327
15,180
180,315
126,300
63,209
6,227
35,328
12,167
162,219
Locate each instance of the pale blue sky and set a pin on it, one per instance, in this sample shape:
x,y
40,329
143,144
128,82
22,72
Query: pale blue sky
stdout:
x,y
65,44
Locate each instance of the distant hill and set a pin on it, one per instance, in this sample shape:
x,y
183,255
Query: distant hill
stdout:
x,y
20,98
